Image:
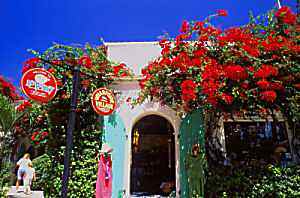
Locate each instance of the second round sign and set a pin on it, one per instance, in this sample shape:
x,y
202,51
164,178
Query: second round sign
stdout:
x,y
103,101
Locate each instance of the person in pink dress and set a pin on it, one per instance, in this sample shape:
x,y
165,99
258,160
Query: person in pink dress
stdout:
x,y
104,177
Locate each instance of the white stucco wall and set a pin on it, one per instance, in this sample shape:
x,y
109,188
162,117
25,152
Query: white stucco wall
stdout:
x,y
135,55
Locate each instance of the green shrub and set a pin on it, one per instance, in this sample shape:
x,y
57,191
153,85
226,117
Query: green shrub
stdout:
x,y
254,182
83,168
43,169
278,182
5,176
82,180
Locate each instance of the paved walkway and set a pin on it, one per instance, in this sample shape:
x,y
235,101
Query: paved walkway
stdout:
x,y
149,196
14,194
153,196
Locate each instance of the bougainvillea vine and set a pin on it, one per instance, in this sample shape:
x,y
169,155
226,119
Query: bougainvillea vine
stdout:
x,y
252,68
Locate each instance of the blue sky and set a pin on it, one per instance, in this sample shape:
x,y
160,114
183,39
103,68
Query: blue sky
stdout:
x,y
36,24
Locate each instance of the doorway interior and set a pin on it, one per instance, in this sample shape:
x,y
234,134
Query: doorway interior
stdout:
x,y
153,157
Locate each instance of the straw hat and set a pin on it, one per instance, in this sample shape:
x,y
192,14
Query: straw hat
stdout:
x,y
280,149
106,148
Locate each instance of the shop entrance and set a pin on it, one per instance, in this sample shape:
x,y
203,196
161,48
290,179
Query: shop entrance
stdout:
x,y
153,157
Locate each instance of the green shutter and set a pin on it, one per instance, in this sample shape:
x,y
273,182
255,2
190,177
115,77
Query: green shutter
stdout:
x,y
191,132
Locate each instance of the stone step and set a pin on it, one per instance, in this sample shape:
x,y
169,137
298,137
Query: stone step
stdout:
x,y
12,193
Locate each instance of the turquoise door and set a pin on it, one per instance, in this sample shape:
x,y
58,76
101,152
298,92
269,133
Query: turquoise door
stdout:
x,y
115,136
191,133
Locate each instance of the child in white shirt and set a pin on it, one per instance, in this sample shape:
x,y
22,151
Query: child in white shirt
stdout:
x,y
22,165
28,178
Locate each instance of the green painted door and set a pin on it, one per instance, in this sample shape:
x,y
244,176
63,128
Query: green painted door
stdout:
x,y
191,133
115,136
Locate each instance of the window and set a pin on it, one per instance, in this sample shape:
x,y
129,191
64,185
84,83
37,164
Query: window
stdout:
x,y
257,142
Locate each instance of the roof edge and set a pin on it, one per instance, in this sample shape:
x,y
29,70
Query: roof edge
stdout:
x,y
130,43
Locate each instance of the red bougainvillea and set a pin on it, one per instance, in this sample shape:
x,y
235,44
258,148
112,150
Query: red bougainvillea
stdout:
x,y
39,137
121,70
266,71
269,96
227,98
30,63
184,27
96,71
235,72
246,68
222,12
263,84
286,15
23,105
93,64
188,89
8,89
86,62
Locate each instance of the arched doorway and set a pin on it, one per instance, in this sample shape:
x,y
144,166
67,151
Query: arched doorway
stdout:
x,y
153,157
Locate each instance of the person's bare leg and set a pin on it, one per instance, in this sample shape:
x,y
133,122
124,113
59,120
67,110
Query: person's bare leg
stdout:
x,y
26,189
17,185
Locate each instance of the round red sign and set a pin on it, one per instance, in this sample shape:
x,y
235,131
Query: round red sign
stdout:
x,y
39,85
103,101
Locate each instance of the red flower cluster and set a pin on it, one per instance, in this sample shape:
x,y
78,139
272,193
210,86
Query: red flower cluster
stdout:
x,y
30,63
266,71
237,36
146,72
222,12
212,70
269,96
38,137
24,104
185,27
263,84
210,87
285,15
8,89
227,98
266,85
211,81
274,43
188,90
86,62
121,70
277,86
235,72
182,61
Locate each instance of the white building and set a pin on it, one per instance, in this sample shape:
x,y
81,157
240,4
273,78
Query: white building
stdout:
x,y
145,139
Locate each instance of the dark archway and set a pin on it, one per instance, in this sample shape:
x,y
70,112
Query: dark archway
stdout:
x,y
153,157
